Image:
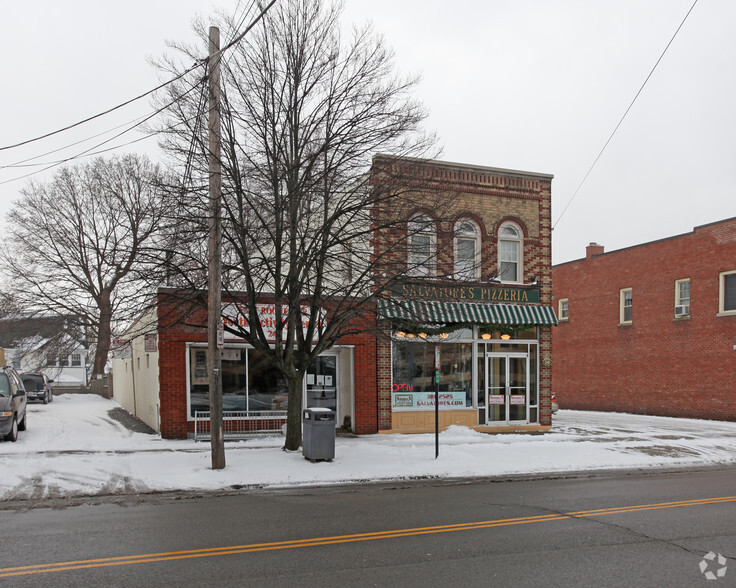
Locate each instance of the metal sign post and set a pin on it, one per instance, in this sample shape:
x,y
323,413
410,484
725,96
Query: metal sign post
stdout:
x,y
436,401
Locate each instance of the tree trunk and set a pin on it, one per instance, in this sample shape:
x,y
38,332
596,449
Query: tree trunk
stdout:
x,y
103,335
294,414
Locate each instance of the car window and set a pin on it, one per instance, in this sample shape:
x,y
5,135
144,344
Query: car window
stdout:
x,y
4,385
31,384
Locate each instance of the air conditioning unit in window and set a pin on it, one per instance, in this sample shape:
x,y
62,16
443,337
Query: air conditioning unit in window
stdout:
x,y
682,310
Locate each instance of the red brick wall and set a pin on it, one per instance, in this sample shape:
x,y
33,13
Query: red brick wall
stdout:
x,y
177,328
658,365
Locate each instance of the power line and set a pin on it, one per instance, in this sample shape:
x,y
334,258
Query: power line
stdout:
x,y
89,152
108,111
569,202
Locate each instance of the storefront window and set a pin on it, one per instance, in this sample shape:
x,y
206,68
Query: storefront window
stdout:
x,y
259,388
414,375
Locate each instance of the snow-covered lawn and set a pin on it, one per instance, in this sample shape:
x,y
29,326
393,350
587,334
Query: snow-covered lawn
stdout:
x,y
72,447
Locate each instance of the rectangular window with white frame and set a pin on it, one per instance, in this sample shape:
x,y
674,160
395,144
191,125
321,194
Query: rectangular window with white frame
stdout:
x,y
626,306
682,298
727,293
562,309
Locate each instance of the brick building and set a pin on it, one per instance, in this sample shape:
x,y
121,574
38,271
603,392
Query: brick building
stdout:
x,y
476,286
650,329
470,267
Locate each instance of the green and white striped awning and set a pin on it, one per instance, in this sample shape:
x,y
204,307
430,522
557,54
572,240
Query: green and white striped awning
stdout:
x,y
436,312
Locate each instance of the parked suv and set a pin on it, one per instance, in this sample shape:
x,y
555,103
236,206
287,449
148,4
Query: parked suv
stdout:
x,y
38,387
12,404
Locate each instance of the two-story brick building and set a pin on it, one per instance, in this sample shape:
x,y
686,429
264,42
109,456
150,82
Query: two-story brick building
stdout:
x,y
650,329
471,264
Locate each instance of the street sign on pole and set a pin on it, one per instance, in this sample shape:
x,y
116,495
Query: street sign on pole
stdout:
x,y
436,401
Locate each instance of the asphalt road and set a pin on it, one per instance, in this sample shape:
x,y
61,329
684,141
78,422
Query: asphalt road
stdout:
x,y
604,530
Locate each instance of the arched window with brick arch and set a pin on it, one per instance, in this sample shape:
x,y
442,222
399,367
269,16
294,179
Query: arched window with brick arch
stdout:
x,y
510,252
467,250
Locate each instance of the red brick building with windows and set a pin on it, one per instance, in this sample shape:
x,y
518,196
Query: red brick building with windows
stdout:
x,y
650,329
471,272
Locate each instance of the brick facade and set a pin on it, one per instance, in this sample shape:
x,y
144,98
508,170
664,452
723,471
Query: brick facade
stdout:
x,y
446,192
490,197
658,364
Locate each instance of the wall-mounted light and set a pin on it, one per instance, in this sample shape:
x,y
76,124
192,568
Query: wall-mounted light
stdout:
x,y
400,334
505,336
444,335
423,335
485,336
410,335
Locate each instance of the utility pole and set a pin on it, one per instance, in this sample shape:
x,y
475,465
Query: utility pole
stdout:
x,y
214,256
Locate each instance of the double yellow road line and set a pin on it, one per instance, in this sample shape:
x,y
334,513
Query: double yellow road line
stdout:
x,y
338,539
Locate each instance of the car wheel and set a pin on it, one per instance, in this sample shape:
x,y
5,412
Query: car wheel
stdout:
x,y
13,434
46,399
22,425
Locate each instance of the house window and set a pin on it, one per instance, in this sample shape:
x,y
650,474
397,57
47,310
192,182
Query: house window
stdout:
x,y
682,297
50,360
510,248
626,306
63,361
467,250
562,309
727,293
422,242
76,359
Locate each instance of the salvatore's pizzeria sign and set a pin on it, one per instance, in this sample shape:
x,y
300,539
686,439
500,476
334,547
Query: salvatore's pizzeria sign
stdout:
x,y
453,293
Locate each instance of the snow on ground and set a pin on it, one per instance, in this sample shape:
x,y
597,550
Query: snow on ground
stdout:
x,y
73,447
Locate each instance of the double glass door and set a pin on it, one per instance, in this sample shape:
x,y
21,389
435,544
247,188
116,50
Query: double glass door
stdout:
x,y
507,397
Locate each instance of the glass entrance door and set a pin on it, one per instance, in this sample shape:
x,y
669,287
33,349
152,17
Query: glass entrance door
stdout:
x,y
508,388
321,383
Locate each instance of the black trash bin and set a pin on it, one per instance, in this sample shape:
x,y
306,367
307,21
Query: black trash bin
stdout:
x,y
318,434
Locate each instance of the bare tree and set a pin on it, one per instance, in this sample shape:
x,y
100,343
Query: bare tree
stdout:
x,y
84,244
304,111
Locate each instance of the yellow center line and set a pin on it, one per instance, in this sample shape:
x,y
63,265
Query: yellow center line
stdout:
x,y
337,539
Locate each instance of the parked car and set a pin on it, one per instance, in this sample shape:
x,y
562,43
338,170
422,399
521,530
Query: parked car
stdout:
x,y
12,404
38,387
555,406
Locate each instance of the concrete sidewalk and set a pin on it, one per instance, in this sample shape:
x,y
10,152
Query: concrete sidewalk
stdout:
x,y
77,446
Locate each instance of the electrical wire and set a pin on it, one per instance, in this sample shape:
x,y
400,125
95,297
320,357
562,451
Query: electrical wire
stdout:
x,y
88,152
108,111
590,169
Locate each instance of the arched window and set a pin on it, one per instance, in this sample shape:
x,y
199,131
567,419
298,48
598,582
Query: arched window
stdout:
x,y
467,250
422,243
510,252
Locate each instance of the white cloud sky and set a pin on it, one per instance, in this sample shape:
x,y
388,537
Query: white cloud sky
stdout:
x,y
521,84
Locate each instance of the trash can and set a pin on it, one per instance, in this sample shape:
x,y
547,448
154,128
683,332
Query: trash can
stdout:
x,y
318,434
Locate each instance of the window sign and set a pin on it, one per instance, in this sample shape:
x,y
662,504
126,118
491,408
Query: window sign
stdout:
x,y
413,386
235,315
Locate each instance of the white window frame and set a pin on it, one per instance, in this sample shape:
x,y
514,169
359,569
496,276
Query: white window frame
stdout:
x,y
623,306
680,300
463,234
519,241
722,311
421,265
563,309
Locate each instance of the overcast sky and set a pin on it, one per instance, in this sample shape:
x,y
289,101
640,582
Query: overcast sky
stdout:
x,y
534,85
